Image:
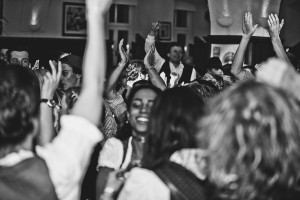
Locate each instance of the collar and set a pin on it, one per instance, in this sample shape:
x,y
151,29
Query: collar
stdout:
x,y
177,69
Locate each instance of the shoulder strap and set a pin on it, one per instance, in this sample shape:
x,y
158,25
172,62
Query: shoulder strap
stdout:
x,y
175,193
188,186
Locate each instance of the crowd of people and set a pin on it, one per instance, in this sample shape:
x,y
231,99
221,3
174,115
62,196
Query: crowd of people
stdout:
x,y
165,132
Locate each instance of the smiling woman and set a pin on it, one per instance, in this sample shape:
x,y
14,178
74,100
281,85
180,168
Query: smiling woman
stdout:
x,y
126,150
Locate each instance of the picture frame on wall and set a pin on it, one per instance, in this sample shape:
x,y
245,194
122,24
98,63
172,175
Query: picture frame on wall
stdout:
x,y
165,31
74,19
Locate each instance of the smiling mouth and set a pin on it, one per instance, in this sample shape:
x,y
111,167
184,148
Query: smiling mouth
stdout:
x,y
142,119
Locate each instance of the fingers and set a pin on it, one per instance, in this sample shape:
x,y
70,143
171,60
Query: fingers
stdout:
x,y
121,44
59,70
53,70
36,65
282,23
274,20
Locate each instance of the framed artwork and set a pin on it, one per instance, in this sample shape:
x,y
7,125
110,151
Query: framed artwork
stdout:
x,y
165,33
74,19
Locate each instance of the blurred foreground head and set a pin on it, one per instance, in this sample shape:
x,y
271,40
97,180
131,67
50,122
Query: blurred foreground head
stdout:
x,y
19,106
251,132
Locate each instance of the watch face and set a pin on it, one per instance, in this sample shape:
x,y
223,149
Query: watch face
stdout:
x,y
51,103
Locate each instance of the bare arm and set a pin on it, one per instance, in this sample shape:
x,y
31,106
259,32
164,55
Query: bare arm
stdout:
x,y
248,31
110,91
153,75
150,40
274,30
46,113
89,104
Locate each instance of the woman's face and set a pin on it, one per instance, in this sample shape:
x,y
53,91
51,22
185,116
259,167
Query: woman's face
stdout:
x,y
216,71
139,111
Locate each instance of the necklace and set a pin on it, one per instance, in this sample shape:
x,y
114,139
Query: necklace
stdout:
x,y
139,139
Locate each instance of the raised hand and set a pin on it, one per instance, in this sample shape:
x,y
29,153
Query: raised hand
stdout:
x,y
123,54
274,25
51,81
154,28
36,65
248,27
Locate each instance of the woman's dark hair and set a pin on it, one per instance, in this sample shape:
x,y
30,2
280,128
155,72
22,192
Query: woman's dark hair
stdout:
x,y
172,125
204,89
19,104
126,131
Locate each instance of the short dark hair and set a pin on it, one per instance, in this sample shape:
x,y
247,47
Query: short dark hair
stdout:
x,y
74,61
172,125
17,48
174,44
19,104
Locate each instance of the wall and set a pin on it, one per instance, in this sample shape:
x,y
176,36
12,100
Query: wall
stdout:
x,y
201,24
291,30
146,13
152,11
51,28
226,18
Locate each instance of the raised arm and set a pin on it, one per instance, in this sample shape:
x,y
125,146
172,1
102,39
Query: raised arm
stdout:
x,y
89,103
248,31
153,75
275,27
48,89
151,35
150,40
110,91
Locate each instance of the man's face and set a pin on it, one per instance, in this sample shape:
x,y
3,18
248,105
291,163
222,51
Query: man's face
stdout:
x,y
3,54
19,57
68,78
176,54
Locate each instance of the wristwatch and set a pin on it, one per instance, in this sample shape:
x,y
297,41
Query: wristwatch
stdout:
x,y
50,102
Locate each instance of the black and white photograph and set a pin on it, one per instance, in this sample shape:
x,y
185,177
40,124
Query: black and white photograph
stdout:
x,y
149,100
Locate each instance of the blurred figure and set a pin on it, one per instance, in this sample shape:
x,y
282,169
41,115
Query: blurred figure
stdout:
x,y
251,132
3,55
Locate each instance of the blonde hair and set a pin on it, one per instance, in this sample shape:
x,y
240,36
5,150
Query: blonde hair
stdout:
x,y
252,134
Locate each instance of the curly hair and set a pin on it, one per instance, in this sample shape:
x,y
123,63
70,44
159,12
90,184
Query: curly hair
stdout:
x,y
172,125
19,103
252,133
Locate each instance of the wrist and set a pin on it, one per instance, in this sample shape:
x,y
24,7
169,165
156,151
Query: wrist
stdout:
x,y
122,63
275,38
246,36
152,32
